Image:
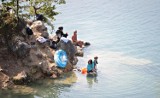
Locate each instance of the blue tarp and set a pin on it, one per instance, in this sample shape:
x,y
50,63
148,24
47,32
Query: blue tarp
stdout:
x,y
60,58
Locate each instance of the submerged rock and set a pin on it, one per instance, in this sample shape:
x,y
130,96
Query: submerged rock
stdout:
x,y
24,90
87,44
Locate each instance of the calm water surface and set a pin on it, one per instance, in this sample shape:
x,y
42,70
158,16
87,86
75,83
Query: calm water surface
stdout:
x,y
125,35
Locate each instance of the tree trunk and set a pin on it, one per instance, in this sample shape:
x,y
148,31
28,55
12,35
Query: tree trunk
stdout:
x,y
17,10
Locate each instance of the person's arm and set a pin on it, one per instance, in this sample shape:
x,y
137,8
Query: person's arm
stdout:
x,y
93,65
62,34
88,67
57,32
96,61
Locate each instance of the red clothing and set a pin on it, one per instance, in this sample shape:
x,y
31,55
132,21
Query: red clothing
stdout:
x,y
74,37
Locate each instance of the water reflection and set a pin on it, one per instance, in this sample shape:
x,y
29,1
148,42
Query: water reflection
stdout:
x,y
47,88
11,94
91,79
53,88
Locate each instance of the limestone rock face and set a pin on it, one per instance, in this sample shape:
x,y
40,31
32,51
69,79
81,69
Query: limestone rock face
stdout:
x,y
39,27
75,61
20,78
68,68
79,52
35,60
22,49
5,81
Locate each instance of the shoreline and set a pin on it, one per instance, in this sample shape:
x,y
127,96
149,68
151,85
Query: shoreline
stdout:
x,y
35,60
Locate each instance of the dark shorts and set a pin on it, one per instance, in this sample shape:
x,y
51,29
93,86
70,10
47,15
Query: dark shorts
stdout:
x,y
89,71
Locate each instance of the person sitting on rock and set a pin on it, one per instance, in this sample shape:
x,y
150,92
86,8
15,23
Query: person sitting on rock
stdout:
x,y
90,66
60,34
75,41
29,32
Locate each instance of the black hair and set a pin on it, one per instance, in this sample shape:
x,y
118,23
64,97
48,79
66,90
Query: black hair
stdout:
x,y
90,61
60,28
29,31
39,17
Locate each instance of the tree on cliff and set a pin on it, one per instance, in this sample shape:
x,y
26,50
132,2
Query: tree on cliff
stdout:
x,y
30,8
14,12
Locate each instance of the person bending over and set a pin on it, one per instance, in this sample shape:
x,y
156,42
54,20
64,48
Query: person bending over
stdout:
x,y
60,34
90,66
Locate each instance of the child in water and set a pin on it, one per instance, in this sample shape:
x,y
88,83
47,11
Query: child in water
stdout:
x,y
95,63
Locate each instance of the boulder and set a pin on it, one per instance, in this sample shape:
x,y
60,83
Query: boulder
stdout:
x,y
79,51
5,81
87,44
69,48
53,76
75,61
20,78
37,75
21,49
39,27
68,68
1,69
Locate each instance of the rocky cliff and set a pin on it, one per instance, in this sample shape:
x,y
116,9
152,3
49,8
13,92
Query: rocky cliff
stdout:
x,y
31,60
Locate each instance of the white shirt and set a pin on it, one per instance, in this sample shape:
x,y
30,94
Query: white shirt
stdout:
x,y
65,39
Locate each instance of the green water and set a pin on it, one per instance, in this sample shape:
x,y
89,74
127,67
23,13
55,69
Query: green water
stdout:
x,y
47,88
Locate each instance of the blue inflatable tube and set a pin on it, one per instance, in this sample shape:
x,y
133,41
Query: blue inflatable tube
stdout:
x,y
60,58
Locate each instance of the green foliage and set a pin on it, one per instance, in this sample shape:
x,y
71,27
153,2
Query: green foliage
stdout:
x,y
29,8
45,8
11,23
